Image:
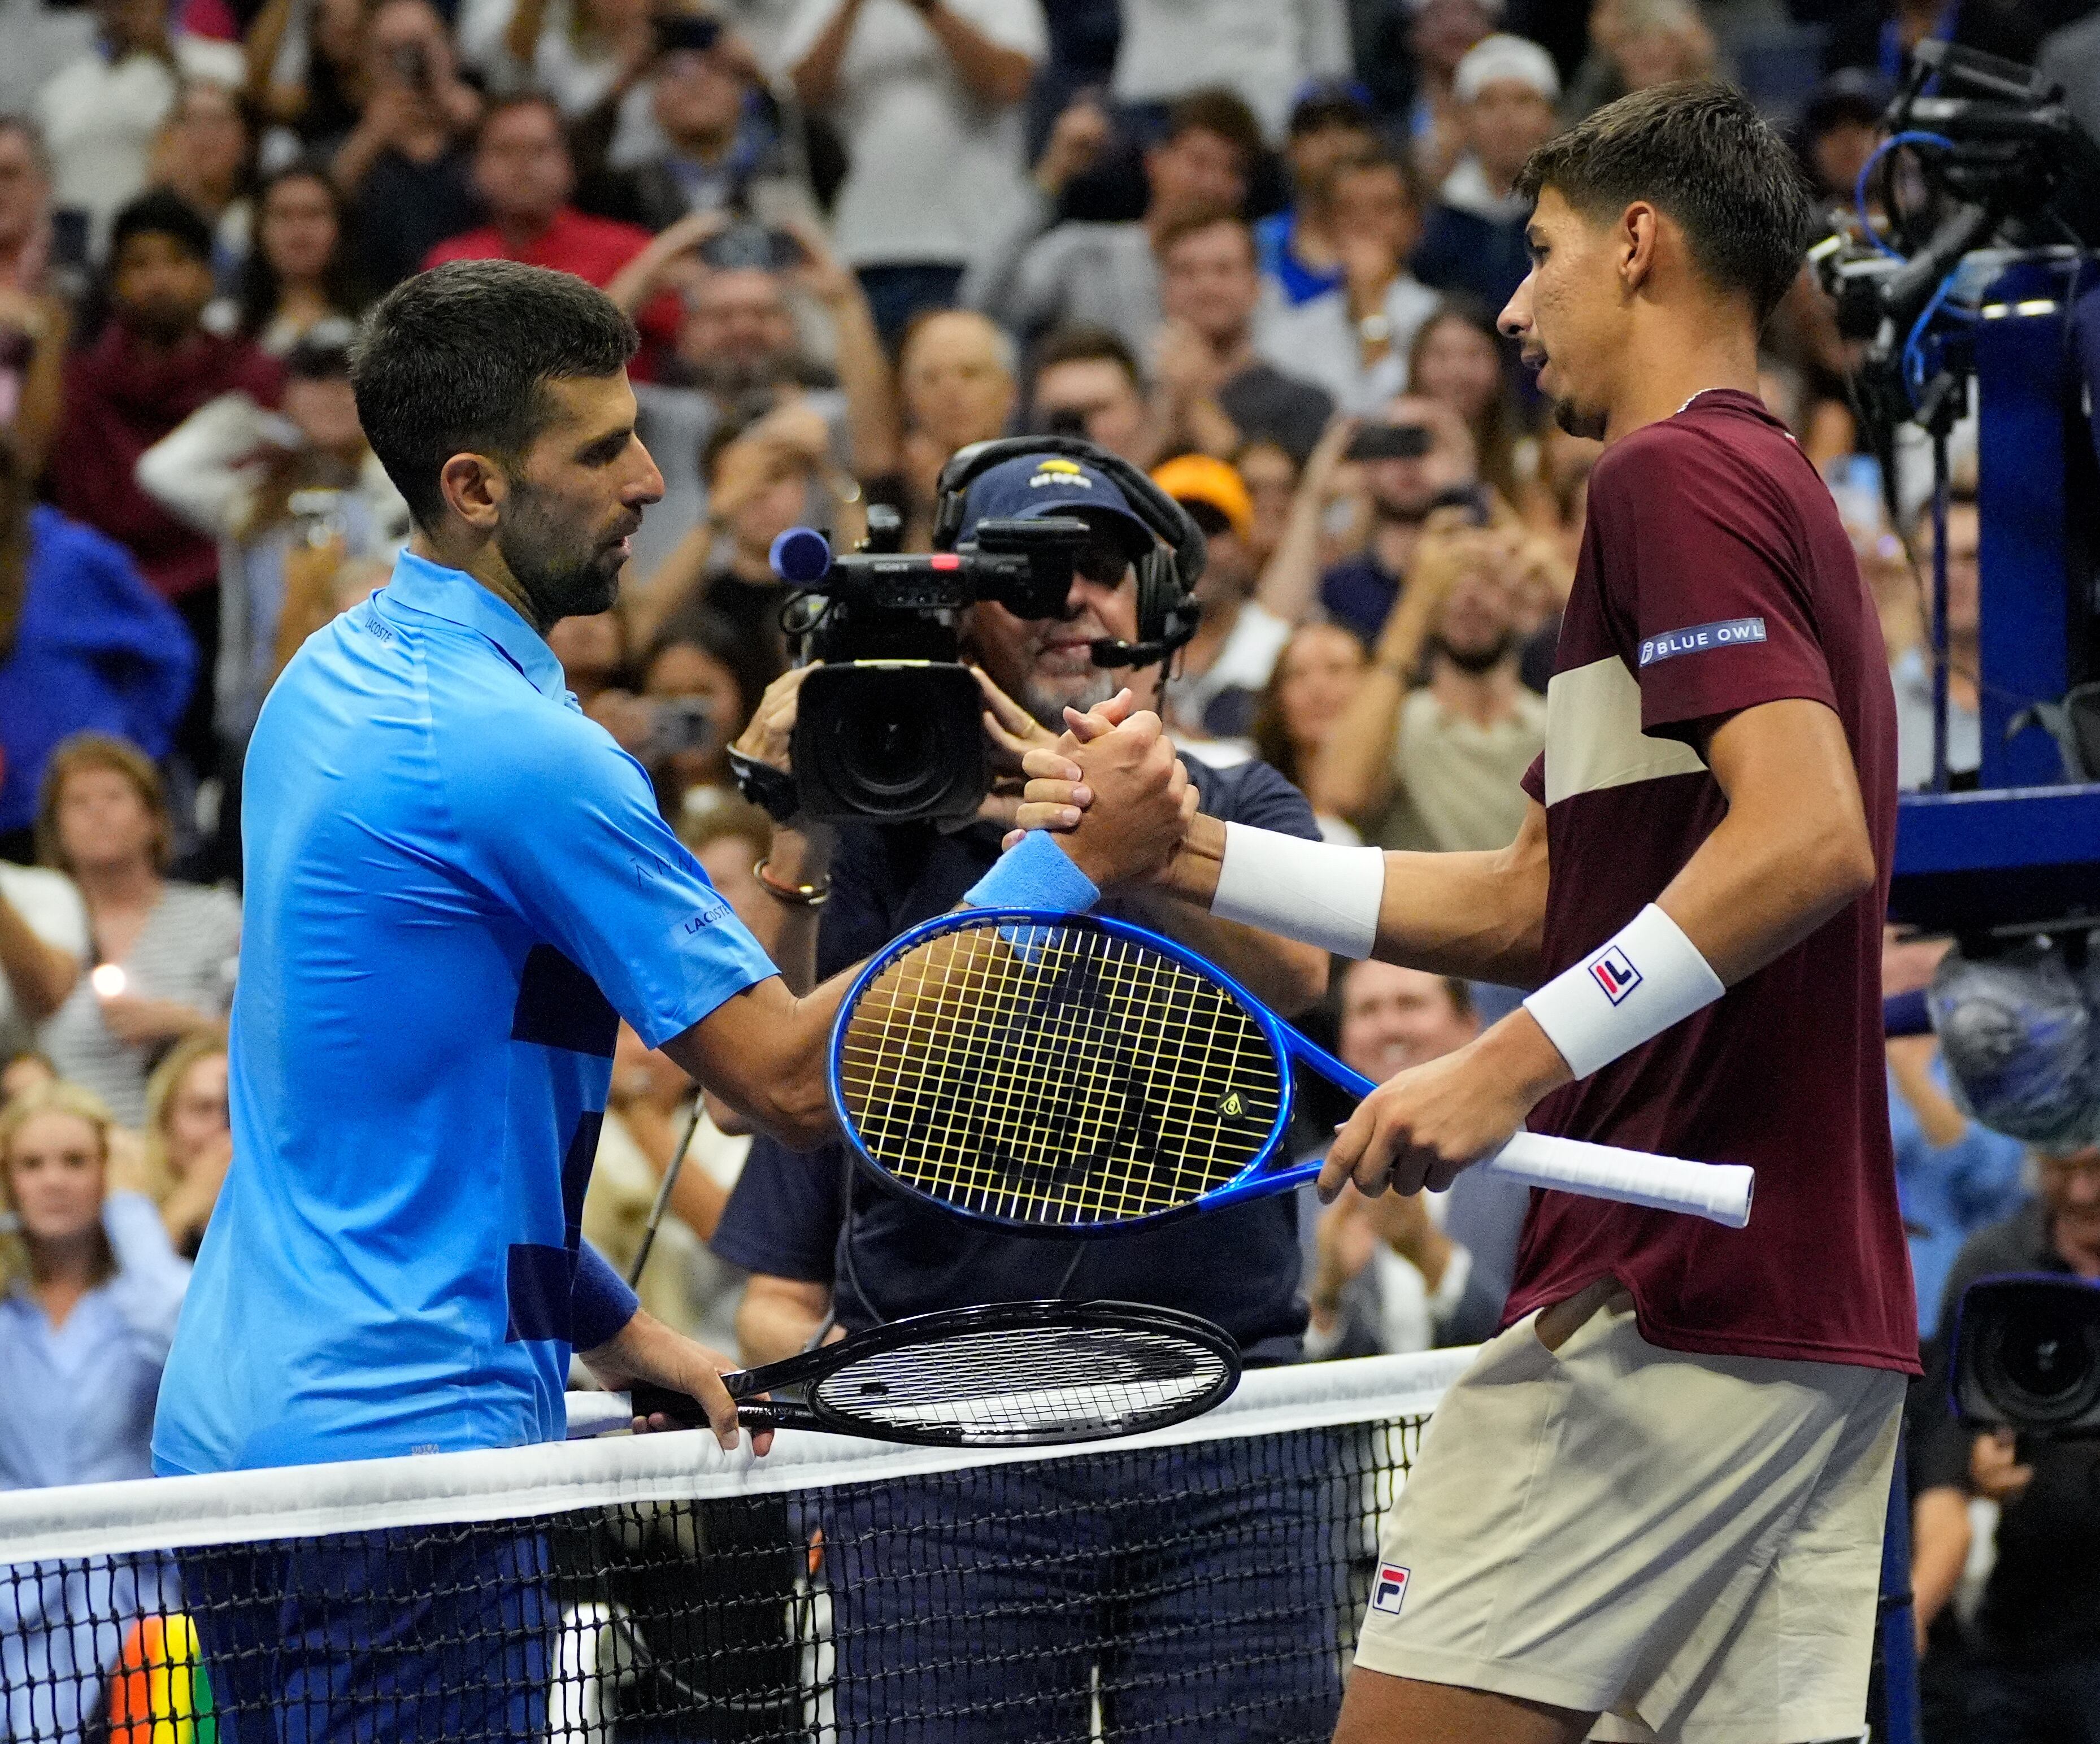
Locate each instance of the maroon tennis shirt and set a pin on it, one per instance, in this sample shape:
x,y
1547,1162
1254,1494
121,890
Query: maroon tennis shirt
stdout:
x,y
1715,576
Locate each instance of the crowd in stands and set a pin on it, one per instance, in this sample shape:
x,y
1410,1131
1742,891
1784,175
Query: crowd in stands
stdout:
x,y
1255,247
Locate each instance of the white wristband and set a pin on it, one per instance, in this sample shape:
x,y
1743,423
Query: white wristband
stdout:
x,y
1630,990
1312,891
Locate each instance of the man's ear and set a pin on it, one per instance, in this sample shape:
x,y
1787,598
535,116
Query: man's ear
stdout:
x,y
1639,235
475,489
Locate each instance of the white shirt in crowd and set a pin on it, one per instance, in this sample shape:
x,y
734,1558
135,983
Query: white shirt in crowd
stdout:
x,y
50,908
936,175
99,118
1263,50
1318,342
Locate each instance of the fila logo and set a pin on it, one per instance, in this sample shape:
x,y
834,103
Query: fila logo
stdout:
x,y
1614,972
1390,1589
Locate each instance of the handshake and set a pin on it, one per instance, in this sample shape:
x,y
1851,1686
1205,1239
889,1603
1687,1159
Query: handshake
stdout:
x,y
1113,791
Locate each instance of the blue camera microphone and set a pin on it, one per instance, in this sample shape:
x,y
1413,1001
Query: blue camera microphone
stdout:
x,y
801,557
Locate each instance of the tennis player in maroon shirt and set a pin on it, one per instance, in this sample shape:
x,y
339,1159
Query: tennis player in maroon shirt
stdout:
x,y
1652,1508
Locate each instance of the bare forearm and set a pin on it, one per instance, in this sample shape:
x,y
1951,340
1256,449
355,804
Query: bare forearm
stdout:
x,y
864,376
1292,575
1939,1550
1480,915
777,1317
354,158
797,859
674,581
994,73
40,974
1910,1062
816,75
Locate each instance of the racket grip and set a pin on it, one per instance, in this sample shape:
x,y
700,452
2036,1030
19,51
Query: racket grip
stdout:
x,y
648,1399
1718,1191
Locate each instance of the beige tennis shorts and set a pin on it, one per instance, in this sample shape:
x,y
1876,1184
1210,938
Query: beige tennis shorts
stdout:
x,y
1689,1545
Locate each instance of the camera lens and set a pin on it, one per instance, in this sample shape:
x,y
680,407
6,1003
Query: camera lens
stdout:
x,y
2043,1369
897,743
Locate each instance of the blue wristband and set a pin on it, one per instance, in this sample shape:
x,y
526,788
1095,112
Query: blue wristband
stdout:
x,y
1037,874
600,1303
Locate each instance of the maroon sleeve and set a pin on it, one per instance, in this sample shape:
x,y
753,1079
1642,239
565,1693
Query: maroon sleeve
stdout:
x,y
1533,781
1702,557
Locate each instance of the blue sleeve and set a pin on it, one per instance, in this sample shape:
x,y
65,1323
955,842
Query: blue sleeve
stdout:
x,y
1254,794
600,1301
562,821
784,1215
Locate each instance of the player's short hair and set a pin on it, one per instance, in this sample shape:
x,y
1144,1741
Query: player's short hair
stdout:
x,y
1703,154
457,361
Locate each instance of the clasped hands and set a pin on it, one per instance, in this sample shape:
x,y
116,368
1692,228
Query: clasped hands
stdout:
x,y
1421,1127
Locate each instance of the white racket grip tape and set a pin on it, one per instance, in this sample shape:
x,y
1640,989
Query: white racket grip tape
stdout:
x,y
1719,1192
1316,892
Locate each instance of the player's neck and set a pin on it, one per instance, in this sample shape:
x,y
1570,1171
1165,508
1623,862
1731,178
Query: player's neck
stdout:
x,y
485,563
1676,360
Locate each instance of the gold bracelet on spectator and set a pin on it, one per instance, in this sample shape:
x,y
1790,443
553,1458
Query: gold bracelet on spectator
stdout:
x,y
795,895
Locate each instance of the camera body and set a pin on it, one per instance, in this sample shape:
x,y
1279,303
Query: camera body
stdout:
x,y
888,729
2027,1354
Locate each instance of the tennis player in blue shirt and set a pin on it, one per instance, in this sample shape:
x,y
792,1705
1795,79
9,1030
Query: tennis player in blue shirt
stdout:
x,y
455,884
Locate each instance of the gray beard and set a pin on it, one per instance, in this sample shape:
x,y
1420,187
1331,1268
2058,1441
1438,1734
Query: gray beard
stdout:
x,y
1048,705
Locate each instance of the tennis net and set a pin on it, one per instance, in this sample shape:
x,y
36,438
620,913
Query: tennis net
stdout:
x,y
1203,1581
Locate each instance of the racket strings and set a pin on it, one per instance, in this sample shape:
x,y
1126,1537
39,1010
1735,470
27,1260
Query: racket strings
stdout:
x,y
1023,1385
1057,1074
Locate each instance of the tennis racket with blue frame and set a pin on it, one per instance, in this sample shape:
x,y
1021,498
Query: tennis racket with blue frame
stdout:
x,y
1078,1074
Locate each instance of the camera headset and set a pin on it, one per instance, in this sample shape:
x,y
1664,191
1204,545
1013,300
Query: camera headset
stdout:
x,y
1167,613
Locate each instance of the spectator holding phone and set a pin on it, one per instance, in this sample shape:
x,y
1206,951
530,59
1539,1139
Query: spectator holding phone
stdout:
x,y
1421,455
1434,762
165,951
927,96
405,166
1457,361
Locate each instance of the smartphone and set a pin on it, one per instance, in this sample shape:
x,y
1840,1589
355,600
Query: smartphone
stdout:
x,y
1389,442
681,723
696,36
749,244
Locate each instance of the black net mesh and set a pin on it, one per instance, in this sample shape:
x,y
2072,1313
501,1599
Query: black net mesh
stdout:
x,y
1210,1590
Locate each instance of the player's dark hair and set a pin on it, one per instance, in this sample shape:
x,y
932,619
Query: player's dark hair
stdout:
x,y
1703,154
456,361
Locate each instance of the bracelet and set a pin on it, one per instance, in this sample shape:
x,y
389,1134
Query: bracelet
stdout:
x,y
795,895
1639,983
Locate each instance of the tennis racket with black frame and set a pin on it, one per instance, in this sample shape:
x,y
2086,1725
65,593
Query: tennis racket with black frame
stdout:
x,y
1004,1375
1078,1074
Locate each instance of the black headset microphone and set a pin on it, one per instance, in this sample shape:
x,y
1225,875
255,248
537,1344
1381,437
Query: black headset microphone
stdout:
x,y
1167,613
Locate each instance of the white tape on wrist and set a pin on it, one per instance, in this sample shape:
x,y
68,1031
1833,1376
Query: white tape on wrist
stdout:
x,y
1312,891
1635,987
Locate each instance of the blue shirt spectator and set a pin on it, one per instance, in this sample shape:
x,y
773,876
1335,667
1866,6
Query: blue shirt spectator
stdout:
x,y
94,649
447,862
1954,1175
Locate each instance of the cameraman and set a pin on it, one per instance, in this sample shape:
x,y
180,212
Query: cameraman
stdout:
x,y
2034,1662
821,1242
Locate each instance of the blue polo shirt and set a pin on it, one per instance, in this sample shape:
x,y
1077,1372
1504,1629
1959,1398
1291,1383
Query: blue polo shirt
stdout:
x,y
455,882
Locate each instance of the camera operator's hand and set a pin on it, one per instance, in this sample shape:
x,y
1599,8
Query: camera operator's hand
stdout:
x,y
1141,799
1011,733
1994,1466
771,729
